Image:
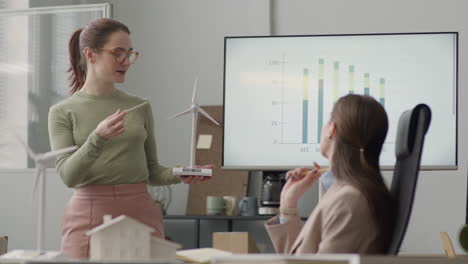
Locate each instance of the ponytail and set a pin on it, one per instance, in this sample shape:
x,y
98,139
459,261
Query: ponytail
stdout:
x,y
77,68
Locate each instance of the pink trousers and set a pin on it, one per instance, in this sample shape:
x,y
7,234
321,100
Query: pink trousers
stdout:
x,y
89,204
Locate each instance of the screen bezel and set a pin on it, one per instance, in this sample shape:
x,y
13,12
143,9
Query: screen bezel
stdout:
x,y
277,168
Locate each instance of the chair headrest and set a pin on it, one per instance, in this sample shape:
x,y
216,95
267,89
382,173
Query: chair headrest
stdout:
x,y
407,129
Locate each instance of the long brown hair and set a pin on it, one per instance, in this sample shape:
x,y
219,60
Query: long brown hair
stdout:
x,y
94,35
361,127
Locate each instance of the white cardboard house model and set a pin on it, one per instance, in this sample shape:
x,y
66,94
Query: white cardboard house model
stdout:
x,y
124,238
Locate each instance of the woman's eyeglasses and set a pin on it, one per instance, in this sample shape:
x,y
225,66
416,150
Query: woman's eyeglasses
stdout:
x,y
120,55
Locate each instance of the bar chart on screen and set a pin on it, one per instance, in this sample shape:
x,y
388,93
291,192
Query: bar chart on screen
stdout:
x,y
279,92
300,103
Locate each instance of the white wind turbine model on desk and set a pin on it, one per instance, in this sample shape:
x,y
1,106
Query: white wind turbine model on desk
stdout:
x,y
41,160
194,109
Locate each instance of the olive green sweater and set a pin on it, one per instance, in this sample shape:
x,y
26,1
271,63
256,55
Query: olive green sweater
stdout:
x,y
128,158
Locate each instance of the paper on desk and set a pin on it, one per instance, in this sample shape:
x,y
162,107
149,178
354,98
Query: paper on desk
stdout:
x,y
288,259
201,255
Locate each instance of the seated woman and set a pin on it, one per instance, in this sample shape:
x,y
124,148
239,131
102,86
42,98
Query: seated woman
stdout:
x,y
356,214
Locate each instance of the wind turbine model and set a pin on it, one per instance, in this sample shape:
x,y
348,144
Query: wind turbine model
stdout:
x,y
194,109
41,160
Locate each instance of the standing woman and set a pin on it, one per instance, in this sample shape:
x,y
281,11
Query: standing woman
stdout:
x,y
117,155
356,214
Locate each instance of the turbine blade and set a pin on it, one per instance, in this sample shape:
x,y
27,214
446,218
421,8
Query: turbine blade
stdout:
x,y
182,113
194,90
203,112
55,153
28,149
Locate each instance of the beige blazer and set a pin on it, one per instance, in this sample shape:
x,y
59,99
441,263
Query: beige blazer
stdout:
x,y
340,223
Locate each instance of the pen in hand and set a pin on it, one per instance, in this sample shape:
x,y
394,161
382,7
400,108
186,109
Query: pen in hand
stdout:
x,y
320,171
135,107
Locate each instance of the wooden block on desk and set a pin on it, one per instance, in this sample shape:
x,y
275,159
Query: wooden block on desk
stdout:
x,y
235,242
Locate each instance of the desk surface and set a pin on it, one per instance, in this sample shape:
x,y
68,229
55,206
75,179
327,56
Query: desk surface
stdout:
x,y
363,259
223,217
218,217
413,259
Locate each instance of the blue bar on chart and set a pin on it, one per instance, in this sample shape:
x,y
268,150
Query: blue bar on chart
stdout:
x,y
305,106
351,79
382,92
366,84
320,99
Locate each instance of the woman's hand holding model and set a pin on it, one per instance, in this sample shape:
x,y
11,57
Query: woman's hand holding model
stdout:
x,y
190,179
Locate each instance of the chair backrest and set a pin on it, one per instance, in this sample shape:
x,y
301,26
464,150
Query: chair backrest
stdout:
x,y
412,128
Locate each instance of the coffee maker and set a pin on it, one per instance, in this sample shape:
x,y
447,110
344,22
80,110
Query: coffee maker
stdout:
x,y
273,182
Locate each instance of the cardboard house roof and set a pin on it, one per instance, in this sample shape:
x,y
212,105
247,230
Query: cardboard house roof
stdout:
x,y
119,219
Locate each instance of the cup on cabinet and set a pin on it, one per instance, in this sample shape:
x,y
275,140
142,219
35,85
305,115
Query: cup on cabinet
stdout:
x,y
231,205
214,205
248,206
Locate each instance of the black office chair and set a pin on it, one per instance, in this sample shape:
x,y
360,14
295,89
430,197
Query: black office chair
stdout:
x,y
412,128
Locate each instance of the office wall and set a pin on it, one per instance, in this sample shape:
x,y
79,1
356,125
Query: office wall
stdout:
x,y
180,39
441,195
